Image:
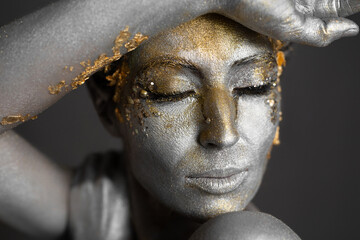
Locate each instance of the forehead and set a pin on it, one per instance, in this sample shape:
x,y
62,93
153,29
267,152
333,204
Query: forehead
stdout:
x,y
208,41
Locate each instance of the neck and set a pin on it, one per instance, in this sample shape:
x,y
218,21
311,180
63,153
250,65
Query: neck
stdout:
x,y
152,220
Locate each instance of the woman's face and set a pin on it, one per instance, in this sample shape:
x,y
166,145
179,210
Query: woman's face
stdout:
x,y
200,111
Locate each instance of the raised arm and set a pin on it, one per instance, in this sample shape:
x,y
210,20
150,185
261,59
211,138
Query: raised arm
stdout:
x,y
35,50
33,190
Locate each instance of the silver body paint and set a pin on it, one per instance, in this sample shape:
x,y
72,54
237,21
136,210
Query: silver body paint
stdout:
x,y
72,31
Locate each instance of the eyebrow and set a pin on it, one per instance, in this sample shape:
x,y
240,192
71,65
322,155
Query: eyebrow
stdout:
x,y
170,61
254,58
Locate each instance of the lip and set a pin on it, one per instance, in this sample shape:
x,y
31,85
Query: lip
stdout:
x,y
218,181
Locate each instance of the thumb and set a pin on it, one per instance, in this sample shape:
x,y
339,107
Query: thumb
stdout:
x,y
320,33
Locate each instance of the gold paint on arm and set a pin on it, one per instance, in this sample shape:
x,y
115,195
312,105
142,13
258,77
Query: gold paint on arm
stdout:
x,y
57,88
12,119
102,61
135,42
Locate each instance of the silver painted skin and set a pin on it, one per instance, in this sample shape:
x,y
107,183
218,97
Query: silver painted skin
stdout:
x,y
70,31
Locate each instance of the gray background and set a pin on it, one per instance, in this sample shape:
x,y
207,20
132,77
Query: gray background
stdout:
x,y
312,180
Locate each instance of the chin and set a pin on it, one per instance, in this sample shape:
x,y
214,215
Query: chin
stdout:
x,y
204,207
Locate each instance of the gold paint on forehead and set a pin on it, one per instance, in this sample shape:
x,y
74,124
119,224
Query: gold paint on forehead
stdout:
x,y
212,36
12,119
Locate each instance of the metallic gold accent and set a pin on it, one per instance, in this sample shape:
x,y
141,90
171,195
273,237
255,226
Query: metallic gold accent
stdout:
x,y
12,119
273,101
83,63
103,61
276,141
135,42
281,62
120,40
57,88
130,100
143,93
118,115
268,155
119,79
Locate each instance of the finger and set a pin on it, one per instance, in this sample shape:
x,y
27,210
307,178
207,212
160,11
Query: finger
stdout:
x,y
332,8
316,32
348,7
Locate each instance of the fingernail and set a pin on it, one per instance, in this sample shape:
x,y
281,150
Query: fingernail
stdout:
x,y
351,32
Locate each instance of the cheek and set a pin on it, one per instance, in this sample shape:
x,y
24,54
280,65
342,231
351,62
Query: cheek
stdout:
x,y
164,137
257,128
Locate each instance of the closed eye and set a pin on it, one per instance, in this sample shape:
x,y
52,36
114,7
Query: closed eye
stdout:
x,y
252,90
174,97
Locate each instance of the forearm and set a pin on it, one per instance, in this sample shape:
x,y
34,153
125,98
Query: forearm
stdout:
x,y
35,50
33,190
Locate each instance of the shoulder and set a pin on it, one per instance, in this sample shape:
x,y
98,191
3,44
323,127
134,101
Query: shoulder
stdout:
x,y
244,225
99,204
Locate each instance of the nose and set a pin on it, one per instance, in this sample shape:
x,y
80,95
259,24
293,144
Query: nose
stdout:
x,y
220,129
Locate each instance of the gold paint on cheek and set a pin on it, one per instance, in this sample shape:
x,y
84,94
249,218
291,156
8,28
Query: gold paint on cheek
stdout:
x,y
268,155
12,119
273,101
274,97
276,140
119,116
280,116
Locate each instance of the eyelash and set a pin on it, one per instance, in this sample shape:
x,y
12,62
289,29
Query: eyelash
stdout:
x,y
156,97
253,90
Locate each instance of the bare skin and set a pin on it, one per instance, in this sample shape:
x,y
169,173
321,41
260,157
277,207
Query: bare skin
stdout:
x,y
63,34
